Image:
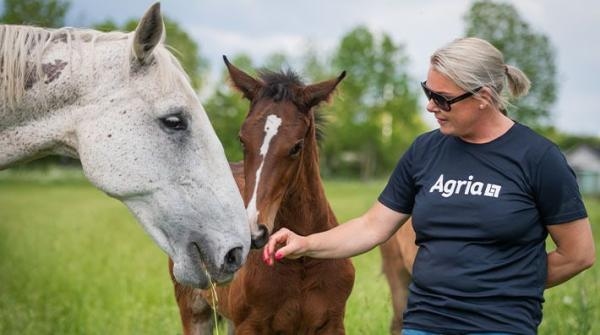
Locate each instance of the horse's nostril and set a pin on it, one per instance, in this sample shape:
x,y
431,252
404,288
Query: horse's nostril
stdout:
x,y
233,259
261,239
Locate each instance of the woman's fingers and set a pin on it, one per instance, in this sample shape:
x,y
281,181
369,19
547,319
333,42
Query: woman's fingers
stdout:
x,y
289,243
280,237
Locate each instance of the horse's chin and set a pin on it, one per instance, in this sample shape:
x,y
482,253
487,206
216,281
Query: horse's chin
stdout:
x,y
192,274
194,271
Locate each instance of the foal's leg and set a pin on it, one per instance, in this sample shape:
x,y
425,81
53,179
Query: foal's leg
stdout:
x,y
399,290
397,256
196,313
393,270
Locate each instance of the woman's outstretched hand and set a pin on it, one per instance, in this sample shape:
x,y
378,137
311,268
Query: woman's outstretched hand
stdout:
x,y
284,244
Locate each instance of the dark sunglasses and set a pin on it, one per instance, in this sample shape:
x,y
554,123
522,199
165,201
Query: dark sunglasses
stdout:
x,y
441,101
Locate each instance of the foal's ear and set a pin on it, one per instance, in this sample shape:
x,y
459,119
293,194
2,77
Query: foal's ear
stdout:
x,y
242,81
148,33
319,92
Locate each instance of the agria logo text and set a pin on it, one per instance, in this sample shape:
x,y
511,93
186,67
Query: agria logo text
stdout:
x,y
467,187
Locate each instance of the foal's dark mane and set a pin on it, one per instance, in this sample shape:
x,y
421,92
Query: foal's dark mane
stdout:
x,y
283,85
280,85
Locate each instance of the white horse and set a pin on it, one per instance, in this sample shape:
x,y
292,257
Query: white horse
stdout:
x,y
122,104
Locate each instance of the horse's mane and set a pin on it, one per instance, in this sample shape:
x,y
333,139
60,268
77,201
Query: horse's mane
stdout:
x,y
279,86
22,49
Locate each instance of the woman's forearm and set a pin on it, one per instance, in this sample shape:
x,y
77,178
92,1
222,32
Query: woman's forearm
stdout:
x,y
346,240
342,241
575,250
561,267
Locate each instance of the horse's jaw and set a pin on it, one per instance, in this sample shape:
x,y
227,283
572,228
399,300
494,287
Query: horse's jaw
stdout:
x,y
192,236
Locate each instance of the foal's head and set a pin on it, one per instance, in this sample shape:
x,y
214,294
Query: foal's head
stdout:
x,y
278,138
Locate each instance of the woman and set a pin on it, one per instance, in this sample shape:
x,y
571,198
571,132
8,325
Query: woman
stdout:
x,y
484,192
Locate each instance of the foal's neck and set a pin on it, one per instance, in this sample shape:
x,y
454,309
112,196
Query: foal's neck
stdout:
x,y
304,208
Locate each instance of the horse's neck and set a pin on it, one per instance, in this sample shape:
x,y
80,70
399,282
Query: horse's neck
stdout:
x,y
42,121
36,138
304,208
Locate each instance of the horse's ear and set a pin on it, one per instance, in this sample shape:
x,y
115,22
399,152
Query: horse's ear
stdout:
x,y
148,33
319,92
242,81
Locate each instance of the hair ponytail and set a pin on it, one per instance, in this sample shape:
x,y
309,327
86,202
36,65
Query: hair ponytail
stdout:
x,y
518,83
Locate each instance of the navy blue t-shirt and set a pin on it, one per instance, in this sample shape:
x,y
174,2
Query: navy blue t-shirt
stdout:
x,y
479,212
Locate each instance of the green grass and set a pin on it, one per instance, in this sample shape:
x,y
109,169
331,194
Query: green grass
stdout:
x,y
74,261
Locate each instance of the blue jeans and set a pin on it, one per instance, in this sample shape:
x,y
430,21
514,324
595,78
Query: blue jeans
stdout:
x,y
421,332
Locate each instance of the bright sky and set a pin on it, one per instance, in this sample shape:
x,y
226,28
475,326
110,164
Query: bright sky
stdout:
x,y
261,27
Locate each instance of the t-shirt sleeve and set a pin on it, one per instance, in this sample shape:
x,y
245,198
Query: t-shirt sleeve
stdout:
x,y
399,193
557,193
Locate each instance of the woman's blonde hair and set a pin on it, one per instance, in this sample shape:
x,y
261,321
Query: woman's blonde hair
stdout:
x,y
472,62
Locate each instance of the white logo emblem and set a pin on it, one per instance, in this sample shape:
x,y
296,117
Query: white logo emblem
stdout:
x,y
467,187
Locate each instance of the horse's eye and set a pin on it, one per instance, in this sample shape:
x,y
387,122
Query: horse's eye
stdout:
x,y
295,150
174,122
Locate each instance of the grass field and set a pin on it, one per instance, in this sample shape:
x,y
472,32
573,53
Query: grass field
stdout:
x,y
73,261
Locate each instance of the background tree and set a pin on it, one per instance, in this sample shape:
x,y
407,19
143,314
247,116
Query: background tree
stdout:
x,y
179,41
43,13
376,116
531,51
277,61
227,109
313,65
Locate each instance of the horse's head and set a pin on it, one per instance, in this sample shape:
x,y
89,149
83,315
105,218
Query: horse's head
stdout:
x,y
278,138
145,139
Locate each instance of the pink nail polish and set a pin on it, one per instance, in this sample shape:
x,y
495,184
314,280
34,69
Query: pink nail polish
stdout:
x,y
278,256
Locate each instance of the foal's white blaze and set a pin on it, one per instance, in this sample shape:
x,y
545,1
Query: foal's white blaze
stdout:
x,y
271,128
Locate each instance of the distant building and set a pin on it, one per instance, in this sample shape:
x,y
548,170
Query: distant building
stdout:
x,y
585,161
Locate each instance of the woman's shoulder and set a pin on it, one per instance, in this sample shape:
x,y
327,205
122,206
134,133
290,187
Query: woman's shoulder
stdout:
x,y
428,144
529,138
532,148
431,137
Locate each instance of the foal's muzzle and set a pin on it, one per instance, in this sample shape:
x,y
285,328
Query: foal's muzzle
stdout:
x,y
261,238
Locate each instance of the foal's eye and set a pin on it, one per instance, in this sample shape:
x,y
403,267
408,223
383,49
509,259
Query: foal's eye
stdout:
x,y
174,122
295,150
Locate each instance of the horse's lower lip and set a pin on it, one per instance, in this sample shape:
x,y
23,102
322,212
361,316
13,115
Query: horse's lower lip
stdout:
x,y
218,278
203,266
